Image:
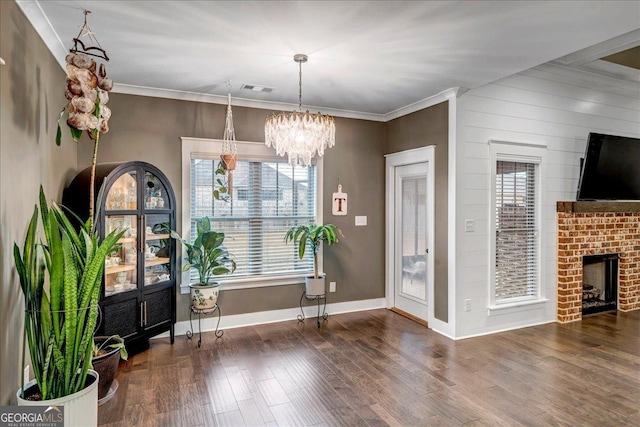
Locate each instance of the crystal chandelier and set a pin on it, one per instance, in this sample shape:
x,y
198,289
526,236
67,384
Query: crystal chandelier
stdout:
x,y
300,135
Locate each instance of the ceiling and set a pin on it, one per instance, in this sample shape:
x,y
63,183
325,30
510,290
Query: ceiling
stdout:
x,y
368,59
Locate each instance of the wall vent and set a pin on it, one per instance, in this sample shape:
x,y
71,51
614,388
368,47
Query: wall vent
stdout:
x,y
256,88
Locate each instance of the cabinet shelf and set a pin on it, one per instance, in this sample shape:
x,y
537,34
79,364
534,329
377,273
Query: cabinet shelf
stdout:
x,y
156,261
133,239
120,267
156,236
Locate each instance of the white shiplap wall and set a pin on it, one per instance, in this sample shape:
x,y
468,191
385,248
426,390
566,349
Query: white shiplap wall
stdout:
x,y
546,105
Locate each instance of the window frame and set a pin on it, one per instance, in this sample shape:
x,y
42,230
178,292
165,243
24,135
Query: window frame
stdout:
x,y
247,151
522,153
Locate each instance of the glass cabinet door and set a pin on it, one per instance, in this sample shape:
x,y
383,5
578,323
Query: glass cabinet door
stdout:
x,y
155,193
120,266
123,194
157,253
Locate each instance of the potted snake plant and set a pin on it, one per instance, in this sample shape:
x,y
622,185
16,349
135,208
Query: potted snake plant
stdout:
x,y
209,257
313,235
61,279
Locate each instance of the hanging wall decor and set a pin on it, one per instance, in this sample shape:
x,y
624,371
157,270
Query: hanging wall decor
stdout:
x,y
88,93
339,202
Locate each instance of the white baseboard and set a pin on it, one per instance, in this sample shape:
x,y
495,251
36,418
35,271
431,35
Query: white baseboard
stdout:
x,y
443,333
208,323
464,337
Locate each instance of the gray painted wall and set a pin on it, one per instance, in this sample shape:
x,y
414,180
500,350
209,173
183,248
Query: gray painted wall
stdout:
x,y
31,96
420,129
149,129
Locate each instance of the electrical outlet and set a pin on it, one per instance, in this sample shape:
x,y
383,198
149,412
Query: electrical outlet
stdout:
x,y
26,374
467,304
332,286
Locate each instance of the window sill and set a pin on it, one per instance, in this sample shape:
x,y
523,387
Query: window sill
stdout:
x,y
254,282
513,307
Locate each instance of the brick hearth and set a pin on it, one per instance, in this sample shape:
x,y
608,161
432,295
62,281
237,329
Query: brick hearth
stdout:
x,y
596,233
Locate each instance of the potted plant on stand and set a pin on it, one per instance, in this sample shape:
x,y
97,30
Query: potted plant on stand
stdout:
x,y
313,235
209,257
60,318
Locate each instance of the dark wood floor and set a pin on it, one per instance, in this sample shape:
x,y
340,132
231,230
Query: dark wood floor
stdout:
x,y
377,368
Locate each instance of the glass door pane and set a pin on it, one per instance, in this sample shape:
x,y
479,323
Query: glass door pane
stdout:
x,y
123,193
155,193
157,254
120,266
414,238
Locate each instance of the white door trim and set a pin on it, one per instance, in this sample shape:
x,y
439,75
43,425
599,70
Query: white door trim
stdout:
x,y
408,157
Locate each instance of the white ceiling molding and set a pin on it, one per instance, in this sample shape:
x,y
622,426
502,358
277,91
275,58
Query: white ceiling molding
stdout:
x,y
42,25
276,106
443,96
589,59
596,77
239,102
600,50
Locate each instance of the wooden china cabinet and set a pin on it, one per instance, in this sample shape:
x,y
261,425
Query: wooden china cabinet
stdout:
x,y
139,293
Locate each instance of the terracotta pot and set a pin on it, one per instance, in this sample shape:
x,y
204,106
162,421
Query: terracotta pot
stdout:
x,y
106,365
204,296
229,161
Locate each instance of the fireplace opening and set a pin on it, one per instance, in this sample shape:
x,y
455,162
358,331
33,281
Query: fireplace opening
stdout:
x,y
599,283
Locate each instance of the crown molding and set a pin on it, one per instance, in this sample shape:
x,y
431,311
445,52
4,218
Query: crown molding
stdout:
x,y
600,50
445,95
282,106
239,102
627,82
35,15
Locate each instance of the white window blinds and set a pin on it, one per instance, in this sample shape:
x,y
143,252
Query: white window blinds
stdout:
x,y
268,199
516,245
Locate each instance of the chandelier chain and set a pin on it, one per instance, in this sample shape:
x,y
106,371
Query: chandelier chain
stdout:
x,y
300,87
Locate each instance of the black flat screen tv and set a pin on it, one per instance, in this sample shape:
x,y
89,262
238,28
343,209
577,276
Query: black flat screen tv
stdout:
x,y
611,168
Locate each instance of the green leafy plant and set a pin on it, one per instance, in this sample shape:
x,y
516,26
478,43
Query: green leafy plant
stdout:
x,y
112,342
60,318
222,192
207,254
312,235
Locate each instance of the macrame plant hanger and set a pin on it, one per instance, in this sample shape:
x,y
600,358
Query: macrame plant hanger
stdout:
x,y
229,149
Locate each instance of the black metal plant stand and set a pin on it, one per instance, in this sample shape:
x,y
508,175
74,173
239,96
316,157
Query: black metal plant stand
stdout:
x,y
192,311
314,298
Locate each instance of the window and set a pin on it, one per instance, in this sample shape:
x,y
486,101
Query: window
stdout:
x,y
515,225
269,197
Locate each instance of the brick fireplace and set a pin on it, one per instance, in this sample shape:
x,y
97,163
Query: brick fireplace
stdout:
x,y
597,228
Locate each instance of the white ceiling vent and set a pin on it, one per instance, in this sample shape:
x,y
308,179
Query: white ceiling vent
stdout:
x,y
256,88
